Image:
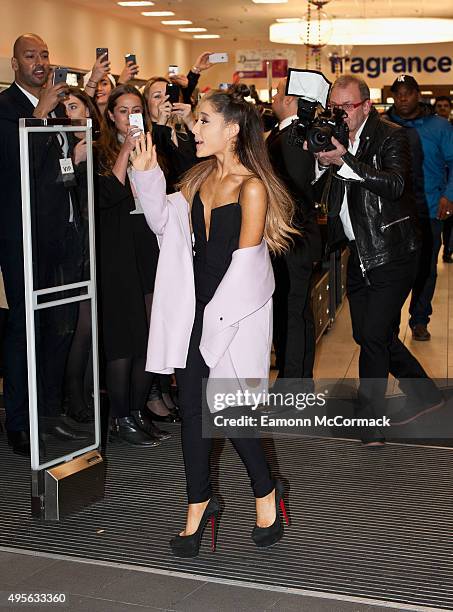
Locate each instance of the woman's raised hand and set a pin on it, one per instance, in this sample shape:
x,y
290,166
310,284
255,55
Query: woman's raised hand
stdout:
x,y
100,69
144,156
184,112
132,136
164,110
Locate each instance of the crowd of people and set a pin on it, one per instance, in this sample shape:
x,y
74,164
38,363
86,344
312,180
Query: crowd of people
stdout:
x,y
206,239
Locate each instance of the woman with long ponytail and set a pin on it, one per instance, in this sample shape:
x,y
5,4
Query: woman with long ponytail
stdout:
x,y
221,324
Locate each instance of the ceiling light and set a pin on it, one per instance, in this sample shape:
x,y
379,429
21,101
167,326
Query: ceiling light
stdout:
x,y
206,36
288,20
379,31
137,3
158,14
192,29
177,22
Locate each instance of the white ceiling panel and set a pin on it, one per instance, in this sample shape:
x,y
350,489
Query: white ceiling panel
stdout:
x,y
236,19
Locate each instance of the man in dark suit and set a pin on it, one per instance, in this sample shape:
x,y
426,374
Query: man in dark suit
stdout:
x,y
32,95
294,330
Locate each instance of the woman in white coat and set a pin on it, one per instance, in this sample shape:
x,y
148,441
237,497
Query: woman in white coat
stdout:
x,y
212,307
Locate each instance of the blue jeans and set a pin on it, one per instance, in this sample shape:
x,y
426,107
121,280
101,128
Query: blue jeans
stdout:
x,y
425,283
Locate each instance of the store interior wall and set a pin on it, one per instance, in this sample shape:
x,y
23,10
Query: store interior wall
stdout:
x,y
73,33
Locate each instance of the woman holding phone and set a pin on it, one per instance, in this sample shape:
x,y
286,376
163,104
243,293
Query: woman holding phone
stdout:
x,y
237,210
172,130
128,254
99,83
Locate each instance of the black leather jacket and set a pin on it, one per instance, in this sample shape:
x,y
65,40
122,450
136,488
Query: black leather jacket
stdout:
x,y
381,204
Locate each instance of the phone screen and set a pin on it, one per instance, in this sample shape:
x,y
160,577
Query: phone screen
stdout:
x,y
130,58
102,51
173,70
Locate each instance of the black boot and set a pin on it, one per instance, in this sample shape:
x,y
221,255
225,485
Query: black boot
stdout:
x,y
125,429
146,424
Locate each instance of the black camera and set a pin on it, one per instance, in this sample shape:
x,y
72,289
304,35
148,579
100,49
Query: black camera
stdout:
x,y
318,130
312,89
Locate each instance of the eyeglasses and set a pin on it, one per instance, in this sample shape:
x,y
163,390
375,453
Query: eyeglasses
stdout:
x,y
348,107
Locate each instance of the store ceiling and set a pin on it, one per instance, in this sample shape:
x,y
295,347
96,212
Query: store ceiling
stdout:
x,y
236,19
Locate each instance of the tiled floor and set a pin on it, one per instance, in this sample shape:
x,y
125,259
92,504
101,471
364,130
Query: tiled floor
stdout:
x,y
90,587
98,587
337,354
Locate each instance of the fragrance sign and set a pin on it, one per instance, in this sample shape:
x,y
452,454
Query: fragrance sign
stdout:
x,y
376,66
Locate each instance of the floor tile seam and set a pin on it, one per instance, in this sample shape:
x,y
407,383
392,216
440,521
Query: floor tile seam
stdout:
x,y
200,586
118,601
235,583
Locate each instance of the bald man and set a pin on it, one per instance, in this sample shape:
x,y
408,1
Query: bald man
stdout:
x,y
294,328
31,95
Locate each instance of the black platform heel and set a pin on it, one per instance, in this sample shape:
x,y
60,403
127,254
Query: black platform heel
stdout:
x,y
268,536
189,546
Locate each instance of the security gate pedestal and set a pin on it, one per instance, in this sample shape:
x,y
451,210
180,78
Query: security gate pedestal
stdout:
x,y
60,291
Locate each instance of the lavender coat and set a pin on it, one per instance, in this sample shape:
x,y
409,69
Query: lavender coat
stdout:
x,y
237,324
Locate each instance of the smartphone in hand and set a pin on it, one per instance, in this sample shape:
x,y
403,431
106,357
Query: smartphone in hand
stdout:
x,y
218,58
136,119
130,57
172,91
173,70
59,75
102,51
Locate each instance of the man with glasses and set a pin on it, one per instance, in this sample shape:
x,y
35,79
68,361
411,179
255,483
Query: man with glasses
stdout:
x,y
368,190
435,137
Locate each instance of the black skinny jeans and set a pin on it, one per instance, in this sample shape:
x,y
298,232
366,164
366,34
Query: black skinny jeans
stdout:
x,y
196,449
375,315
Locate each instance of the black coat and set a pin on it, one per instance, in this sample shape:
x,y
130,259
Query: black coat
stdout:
x,y
381,204
127,255
295,168
50,197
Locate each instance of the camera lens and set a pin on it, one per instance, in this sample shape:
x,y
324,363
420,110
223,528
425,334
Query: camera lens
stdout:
x,y
319,138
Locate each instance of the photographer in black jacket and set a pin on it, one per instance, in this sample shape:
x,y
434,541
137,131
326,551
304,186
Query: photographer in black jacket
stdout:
x,y
368,190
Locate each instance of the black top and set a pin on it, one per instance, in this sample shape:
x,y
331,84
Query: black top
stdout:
x,y
126,253
212,256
